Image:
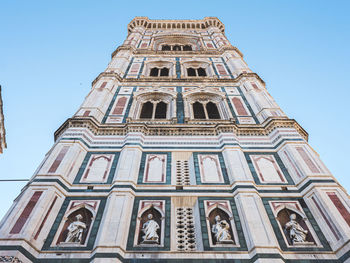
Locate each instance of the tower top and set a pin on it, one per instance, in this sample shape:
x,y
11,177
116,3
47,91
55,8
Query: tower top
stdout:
x,y
145,22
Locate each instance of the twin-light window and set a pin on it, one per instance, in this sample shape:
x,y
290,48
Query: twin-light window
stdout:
x,y
176,48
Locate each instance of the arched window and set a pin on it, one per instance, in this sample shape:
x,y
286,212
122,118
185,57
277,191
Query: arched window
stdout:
x,y
187,48
165,47
164,72
160,110
212,110
154,72
201,72
206,111
198,110
147,110
191,72
176,48
196,72
157,72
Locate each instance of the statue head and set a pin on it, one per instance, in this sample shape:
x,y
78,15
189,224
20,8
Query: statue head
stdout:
x,y
293,217
217,218
79,217
150,216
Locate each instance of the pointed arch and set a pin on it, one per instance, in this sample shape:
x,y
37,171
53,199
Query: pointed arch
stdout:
x,y
147,110
87,218
143,218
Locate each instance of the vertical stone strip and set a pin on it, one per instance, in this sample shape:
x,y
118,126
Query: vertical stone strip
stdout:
x,y
334,230
307,160
179,106
178,68
227,68
26,213
45,218
58,160
128,68
339,205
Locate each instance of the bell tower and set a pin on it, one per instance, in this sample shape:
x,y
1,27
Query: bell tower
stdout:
x,y
179,153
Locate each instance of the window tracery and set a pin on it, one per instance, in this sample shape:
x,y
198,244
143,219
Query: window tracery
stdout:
x,y
159,72
154,110
206,105
158,68
176,47
153,105
196,72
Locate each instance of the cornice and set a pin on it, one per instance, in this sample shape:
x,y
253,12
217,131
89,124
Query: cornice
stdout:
x,y
187,24
202,80
136,51
122,129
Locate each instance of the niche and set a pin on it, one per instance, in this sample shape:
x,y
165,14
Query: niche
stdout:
x,y
150,227
296,232
74,233
220,227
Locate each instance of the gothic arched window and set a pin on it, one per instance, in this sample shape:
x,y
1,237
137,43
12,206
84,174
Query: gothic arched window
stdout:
x,y
164,72
187,48
176,48
160,110
201,72
154,72
191,72
205,111
147,110
198,110
196,72
212,110
165,48
157,72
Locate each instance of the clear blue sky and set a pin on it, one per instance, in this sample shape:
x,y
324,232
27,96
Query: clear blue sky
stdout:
x,y
51,51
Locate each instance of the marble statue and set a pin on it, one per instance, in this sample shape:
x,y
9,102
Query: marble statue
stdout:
x,y
296,232
221,229
150,230
76,230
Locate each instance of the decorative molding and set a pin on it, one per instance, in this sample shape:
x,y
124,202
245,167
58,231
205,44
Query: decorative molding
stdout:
x,y
210,129
205,23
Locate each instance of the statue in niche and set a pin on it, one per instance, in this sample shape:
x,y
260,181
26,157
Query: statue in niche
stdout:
x,y
296,232
150,229
76,230
221,230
